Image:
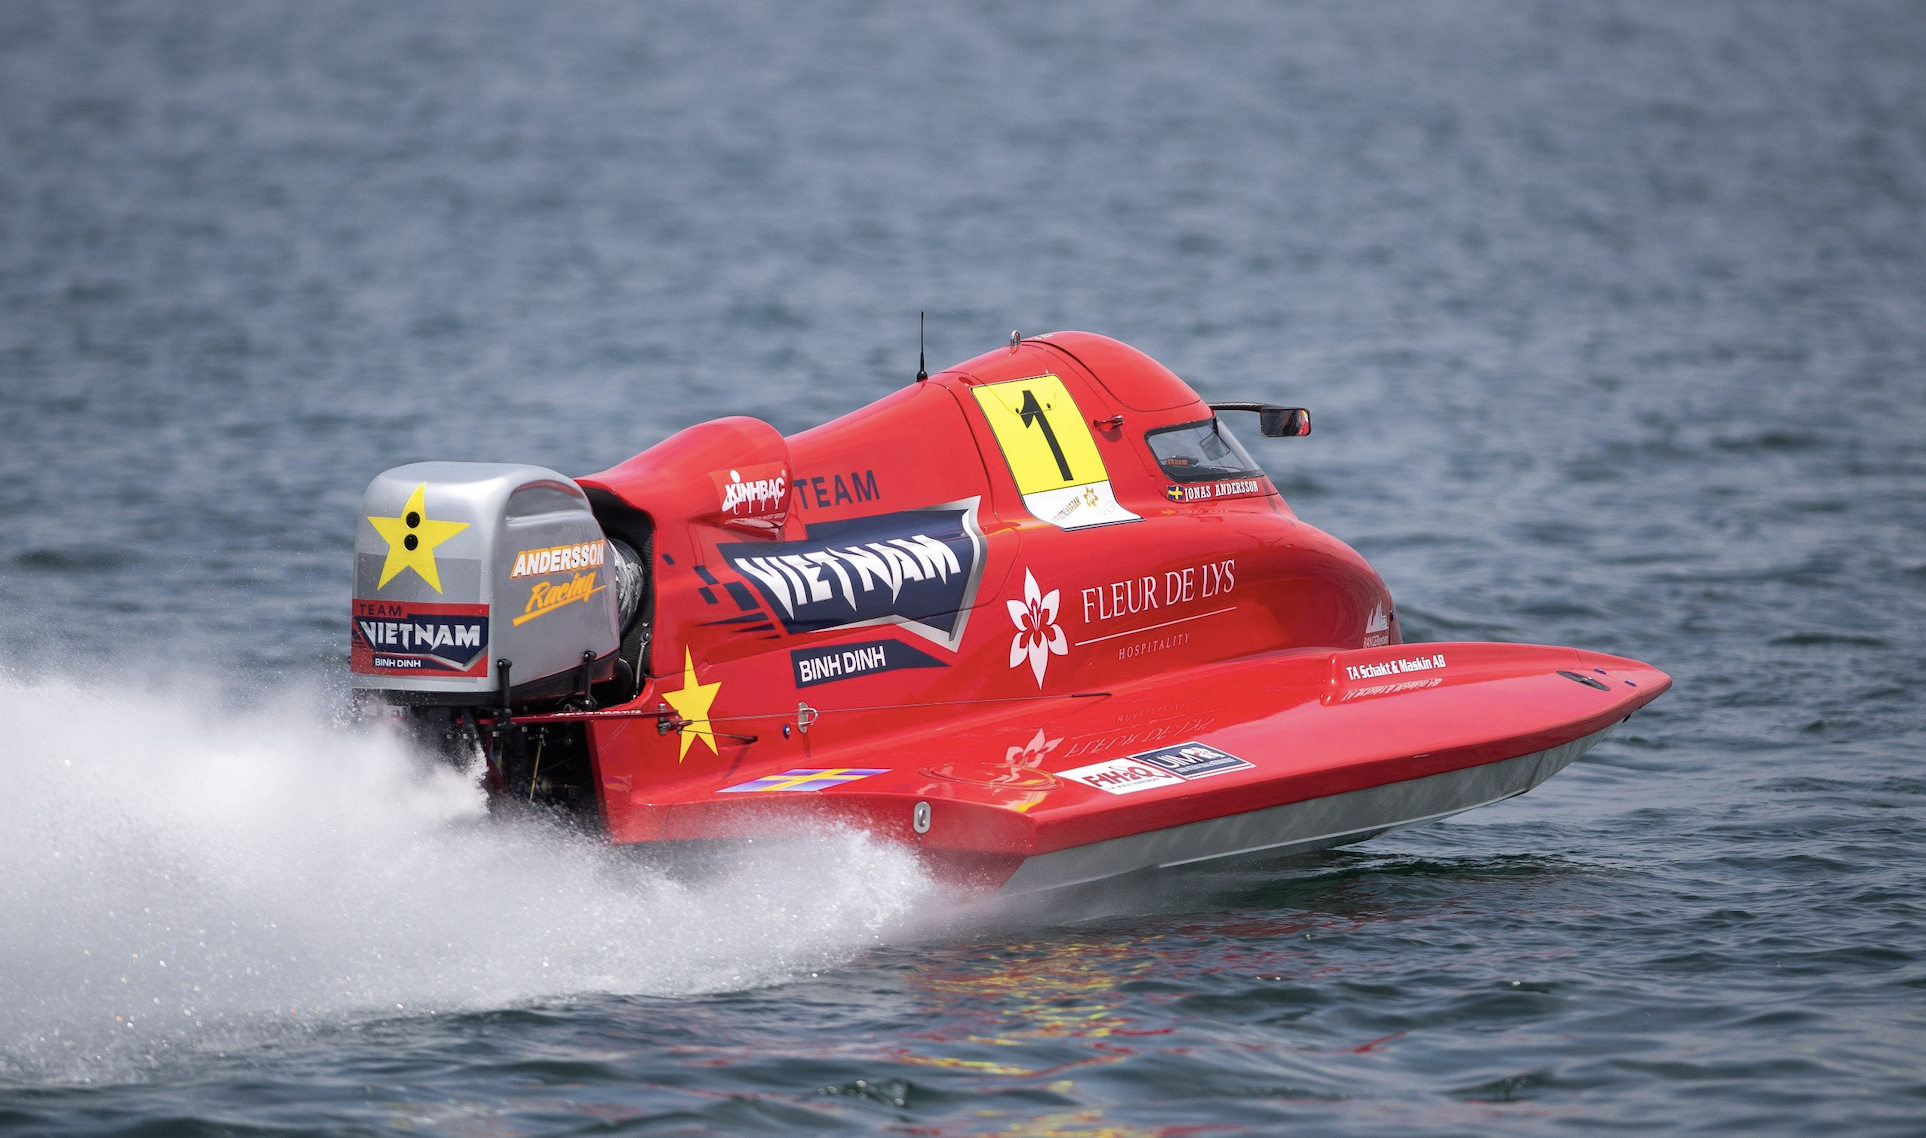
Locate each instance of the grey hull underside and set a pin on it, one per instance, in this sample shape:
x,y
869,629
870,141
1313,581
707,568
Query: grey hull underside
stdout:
x,y
1300,827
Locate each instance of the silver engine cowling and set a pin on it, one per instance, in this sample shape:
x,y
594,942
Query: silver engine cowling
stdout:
x,y
462,567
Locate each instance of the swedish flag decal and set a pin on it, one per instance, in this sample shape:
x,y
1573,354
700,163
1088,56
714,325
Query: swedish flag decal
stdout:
x,y
808,778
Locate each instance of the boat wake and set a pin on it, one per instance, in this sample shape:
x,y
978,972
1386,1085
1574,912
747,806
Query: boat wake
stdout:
x,y
179,880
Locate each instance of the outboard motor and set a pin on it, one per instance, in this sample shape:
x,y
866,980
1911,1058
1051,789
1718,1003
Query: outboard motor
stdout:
x,y
481,587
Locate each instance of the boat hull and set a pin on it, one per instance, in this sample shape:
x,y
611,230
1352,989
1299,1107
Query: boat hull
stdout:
x,y
1300,827
1265,758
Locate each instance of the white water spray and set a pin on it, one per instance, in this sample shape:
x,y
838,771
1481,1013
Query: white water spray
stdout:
x,y
174,878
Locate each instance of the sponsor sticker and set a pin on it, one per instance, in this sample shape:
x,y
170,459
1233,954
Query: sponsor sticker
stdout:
x,y
391,638
828,491
1394,667
1377,630
814,666
545,597
559,559
1211,491
1151,592
1155,644
1078,507
754,494
1389,689
915,568
1193,760
807,778
1122,776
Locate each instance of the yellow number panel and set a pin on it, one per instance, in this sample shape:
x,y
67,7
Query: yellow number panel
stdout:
x,y
1042,433
1046,439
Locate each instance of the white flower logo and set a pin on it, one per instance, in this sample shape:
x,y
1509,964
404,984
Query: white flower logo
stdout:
x,y
1038,636
1031,753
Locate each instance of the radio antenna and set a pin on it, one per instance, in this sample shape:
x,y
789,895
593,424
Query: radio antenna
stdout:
x,y
922,372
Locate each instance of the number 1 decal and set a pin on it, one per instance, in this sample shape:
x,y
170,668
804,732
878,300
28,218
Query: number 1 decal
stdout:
x,y
1046,440
1033,416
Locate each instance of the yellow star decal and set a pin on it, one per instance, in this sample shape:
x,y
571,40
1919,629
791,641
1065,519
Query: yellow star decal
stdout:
x,y
692,703
412,539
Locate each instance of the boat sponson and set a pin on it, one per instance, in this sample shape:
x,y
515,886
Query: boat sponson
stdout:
x,y
1301,827
1312,724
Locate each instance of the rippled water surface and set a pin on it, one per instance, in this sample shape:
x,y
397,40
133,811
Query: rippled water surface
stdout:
x,y
1613,320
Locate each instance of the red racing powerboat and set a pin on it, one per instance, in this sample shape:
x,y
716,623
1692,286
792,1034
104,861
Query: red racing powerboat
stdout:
x,y
1038,617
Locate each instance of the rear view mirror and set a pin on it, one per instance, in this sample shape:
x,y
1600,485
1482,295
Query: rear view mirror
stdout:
x,y
1272,421
1284,422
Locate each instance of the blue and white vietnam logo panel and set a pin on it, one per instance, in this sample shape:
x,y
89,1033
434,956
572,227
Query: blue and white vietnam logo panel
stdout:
x,y
915,568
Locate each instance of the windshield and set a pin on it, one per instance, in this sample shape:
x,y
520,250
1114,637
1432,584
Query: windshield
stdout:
x,y
1200,452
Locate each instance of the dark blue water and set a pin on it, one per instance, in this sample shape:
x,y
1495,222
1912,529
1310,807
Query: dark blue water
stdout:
x,y
1613,321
